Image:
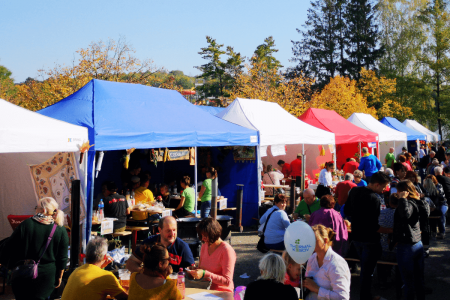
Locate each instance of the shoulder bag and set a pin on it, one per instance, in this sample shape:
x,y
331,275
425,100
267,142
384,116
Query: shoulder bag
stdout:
x,y
261,246
28,268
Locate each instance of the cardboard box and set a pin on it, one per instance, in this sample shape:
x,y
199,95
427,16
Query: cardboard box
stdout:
x,y
221,204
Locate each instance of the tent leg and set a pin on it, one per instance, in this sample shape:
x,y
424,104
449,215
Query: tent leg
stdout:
x,y
302,185
258,169
195,180
89,205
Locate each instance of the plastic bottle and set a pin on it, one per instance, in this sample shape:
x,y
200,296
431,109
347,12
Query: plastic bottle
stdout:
x,y
101,205
133,200
180,282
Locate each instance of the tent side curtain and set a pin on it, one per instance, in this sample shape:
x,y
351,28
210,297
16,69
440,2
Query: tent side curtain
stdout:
x,y
412,134
331,121
385,133
276,126
124,115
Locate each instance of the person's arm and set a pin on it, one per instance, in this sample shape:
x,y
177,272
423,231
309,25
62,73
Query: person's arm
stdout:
x,y
264,217
61,256
59,276
133,264
181,203
405,209
202,191
378,163
361,165
187,258
285,219
228,262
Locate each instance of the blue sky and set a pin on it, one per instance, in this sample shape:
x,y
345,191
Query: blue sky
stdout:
x,y
39,34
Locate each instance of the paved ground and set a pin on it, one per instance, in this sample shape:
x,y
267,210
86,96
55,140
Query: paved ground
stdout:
x,y
437,267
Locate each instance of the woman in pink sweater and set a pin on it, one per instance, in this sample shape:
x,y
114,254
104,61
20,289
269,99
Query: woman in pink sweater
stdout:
x,y
217,258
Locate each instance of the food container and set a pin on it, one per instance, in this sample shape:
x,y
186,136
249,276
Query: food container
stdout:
x,y
139,215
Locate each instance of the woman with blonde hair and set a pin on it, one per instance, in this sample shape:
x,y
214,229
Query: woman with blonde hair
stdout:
x,y
327,273
270,285
407,237
31,241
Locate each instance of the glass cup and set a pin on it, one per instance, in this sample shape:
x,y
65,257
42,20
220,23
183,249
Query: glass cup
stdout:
x,y
283,182
124,276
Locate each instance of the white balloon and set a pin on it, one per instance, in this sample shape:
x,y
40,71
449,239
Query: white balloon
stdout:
x,y
300,241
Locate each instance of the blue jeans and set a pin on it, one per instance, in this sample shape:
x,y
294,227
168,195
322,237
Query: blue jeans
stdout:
x,y
205,209
368,253
441,223
410,262
278,246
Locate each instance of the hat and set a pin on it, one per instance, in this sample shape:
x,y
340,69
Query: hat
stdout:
x,y
404,148
299,154
135,179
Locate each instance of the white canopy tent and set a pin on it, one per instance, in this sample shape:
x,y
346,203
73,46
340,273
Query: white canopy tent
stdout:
x,y
388,137
277,128
28,138
431,136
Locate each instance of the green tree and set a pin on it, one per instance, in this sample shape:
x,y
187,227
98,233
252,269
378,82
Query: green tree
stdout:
x,y
320,53
264,53
233,67
8,90
214,70
362,36
435,56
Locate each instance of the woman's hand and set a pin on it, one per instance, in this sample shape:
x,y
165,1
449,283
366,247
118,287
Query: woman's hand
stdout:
x,y
311,285
196,274
58,282
403,194
169,271
422,195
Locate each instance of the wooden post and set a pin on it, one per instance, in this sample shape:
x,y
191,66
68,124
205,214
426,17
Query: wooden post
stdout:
x,y
292,196
239,201
75,230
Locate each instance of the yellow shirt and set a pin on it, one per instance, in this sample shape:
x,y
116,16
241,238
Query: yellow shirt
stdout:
x,y
89,282
167,291
143,195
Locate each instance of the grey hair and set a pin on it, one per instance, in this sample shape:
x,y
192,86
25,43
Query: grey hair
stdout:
x,y
348,176
438,171
358,173
365,150
50,206
96,250
389,171
432,152
428,184
272,266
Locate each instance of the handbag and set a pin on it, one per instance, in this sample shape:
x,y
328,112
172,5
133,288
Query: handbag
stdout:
x,y
28,268
261,246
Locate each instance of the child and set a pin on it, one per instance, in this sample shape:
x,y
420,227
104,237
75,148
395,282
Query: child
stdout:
x,y
293,271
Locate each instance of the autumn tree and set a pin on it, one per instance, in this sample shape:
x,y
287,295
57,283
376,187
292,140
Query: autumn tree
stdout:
x,y
8,90
342,95
111,60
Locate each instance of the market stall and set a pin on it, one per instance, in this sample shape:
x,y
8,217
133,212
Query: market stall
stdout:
x,y
413,136
431,136
282,135
388,137
28,139
349,137
121,116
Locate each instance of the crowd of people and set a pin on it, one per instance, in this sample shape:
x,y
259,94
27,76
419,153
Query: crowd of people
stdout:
x,y
384,219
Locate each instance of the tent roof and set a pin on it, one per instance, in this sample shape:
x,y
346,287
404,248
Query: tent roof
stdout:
x,y
411,133
431,136
123,115
343,129
211,109
22,130
275,125
385,133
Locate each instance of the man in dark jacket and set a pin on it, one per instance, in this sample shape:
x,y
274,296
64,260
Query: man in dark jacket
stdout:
x,y
363,206
443,180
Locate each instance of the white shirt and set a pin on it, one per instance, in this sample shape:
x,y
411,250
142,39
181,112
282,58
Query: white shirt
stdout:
x,y
325,178
422,153
274,178
333,278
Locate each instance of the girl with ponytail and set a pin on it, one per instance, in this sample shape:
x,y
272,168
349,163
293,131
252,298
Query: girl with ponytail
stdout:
x,y
152,282
327,273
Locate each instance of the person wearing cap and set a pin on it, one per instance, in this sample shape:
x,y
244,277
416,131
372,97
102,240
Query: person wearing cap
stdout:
x,y
404,151
116,206
142,193
296,168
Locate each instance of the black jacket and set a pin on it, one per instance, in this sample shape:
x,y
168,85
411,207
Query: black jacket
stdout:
x,y
425,161
269,289
407,222
445,182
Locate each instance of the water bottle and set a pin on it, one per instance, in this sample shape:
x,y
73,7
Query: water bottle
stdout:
x,y
100,210
180,282
133,200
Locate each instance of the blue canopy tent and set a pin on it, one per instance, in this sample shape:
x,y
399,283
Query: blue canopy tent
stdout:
x,y
411,135
212,109
122,116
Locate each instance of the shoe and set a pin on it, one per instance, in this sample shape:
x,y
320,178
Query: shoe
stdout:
x,y
440,236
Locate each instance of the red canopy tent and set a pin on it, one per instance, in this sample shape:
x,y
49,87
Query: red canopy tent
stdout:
x,y
347,134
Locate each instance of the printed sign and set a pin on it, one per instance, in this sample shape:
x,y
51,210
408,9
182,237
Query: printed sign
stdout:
x,y
107,227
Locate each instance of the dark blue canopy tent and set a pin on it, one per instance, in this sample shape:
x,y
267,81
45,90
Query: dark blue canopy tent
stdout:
x,y
122,116
412,135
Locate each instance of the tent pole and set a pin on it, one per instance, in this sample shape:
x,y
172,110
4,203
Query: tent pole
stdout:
x,y
195,180
258,170
360,151
89,207
302,185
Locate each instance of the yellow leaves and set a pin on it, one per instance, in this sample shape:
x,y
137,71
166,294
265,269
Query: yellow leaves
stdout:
x,y
342,96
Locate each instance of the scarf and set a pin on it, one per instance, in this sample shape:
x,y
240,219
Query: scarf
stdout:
x,y
41,218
